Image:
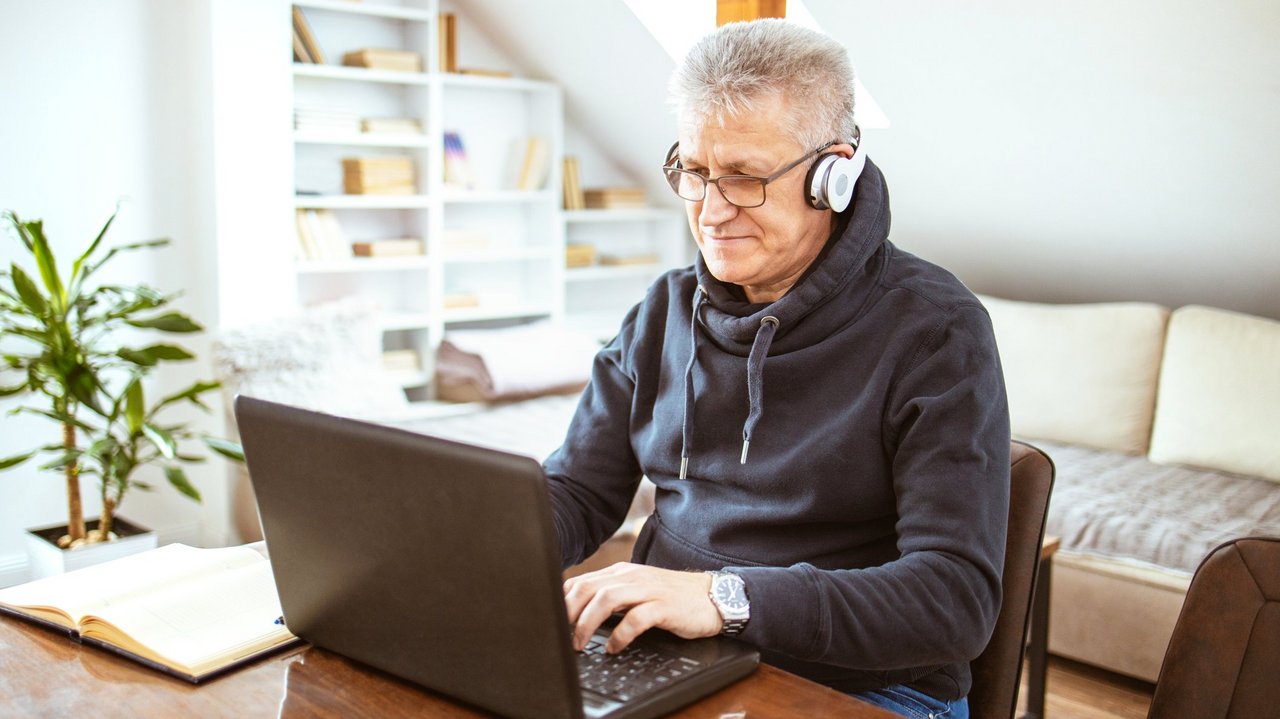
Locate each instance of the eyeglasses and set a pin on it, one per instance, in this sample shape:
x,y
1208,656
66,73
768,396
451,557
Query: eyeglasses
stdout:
x,y
745,191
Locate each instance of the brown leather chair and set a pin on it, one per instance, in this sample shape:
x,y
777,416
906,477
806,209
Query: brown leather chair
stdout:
x,y
1223,659
998,670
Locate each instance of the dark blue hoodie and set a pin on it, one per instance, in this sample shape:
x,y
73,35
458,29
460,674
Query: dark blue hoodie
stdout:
x,y
868,519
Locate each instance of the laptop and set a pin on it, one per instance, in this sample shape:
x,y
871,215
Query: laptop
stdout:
x,y
438,562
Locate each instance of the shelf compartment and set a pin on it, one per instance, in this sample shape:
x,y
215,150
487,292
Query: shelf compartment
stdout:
x,y
595,273
360,74
360,140
638,214
515,254
403,321
480,196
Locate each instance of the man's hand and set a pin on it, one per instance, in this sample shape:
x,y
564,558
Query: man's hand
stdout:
x,y
651,597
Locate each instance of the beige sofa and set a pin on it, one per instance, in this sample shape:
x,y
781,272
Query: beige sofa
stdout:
x,y
1165,430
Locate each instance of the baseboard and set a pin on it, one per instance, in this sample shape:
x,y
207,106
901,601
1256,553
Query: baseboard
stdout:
x,y
13,567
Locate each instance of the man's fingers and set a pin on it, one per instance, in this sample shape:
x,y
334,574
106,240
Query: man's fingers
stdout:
x,y
639,620
605,600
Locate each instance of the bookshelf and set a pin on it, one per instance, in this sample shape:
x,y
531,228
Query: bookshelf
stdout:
x,y
492,250
493,228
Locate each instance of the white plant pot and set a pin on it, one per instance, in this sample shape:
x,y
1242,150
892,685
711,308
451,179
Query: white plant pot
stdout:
x,y
45,558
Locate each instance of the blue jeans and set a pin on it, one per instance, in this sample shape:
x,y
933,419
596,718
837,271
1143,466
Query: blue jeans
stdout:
x,y
910,703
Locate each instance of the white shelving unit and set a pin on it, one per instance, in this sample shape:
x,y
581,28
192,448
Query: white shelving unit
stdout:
x,y
632,247
510,269
494,255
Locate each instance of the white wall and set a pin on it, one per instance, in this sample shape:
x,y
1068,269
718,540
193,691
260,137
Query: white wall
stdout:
x,y
1080,151
103,102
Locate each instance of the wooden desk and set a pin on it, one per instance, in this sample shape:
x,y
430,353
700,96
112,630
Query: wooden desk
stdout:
x,y
46,674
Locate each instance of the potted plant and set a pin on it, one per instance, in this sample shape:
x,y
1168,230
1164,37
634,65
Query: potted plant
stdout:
x,y
60,341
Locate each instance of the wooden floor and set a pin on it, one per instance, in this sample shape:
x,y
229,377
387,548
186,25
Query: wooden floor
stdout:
x,y
1079,691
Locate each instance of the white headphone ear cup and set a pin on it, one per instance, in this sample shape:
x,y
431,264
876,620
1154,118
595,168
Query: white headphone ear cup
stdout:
x,y
816,182
839,185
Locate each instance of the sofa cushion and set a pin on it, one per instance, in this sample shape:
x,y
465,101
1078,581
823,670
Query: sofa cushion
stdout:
x,y
1219,400
1126,508
1081,374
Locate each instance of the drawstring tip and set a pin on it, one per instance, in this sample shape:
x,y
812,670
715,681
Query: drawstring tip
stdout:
x,y
684,467
746,444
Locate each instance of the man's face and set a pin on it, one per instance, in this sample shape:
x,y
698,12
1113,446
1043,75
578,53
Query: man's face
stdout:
x,y
763,249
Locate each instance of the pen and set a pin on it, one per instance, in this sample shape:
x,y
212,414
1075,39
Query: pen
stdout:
x,y
280,620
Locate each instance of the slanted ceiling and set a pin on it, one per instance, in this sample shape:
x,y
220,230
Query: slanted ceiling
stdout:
x,y
613,72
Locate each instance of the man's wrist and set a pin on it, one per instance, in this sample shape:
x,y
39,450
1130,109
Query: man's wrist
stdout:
x,y
728,594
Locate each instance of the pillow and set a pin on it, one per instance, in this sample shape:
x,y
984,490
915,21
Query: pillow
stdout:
x,y
1080,374
1219,401
327,358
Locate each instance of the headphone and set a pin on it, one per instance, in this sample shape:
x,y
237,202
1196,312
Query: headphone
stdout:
x,y
831,179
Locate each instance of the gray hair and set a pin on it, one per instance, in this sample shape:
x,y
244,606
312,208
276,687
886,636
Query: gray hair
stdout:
x,y
740,63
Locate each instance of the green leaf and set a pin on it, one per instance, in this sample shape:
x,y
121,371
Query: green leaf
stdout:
x,y
84,387
16,460
161,439
29,292
191,393
226,448
66,458
134,408
90,269
12,217
56,417
75,268
46,263
10,391
150,356
168,322
179,480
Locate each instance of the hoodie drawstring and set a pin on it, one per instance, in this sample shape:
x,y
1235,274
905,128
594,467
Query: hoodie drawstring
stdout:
x,y
685,429
755,382
755,379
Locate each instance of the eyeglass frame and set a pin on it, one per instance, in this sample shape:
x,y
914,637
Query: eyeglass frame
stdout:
x,y
707,180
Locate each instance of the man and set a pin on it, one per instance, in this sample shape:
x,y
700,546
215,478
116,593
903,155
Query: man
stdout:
x,y
823,414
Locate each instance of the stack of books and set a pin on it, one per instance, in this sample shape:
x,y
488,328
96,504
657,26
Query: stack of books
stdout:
x,y
534,162
399,247
320,237
457,170
579,255
325,119
377,58
613,198
378,176
573,199
391,125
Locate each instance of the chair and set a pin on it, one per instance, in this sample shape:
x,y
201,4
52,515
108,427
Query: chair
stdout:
x,y
1223,656
998,670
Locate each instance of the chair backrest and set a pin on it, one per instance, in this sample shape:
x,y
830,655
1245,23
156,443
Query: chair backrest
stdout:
x,y
1223,656
998,670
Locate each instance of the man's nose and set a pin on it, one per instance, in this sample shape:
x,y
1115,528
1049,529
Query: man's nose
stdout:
x,y
715,208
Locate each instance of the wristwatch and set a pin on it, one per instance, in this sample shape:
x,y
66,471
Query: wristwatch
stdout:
x,y
729,594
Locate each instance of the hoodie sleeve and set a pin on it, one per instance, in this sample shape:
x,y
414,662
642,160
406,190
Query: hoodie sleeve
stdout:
x,y
946,428
593,476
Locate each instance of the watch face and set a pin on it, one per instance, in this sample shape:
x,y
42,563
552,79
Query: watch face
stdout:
x,y
729,594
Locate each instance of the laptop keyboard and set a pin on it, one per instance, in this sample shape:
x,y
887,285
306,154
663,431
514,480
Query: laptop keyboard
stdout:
x,y
631,673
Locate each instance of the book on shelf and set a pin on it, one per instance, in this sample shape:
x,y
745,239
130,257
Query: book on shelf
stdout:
x,y
573,199
644,258
532,159
320,235
378,176
484,72
399,247
448,41
457,239
303,30
457,169
391,125
378,58
402,360
300,53
309,118
579,255
614,197
461,300
192,613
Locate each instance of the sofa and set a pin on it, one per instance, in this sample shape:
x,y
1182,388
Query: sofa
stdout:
x,y
1165,431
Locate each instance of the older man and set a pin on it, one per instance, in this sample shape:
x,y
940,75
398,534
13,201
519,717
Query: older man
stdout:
x,y
823,414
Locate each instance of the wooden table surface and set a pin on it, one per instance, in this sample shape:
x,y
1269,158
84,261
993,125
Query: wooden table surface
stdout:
x,y
45,674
